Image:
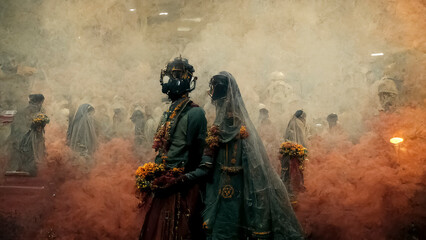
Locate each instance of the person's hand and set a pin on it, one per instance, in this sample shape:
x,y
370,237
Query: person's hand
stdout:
x,y
167,185
177,182
163,180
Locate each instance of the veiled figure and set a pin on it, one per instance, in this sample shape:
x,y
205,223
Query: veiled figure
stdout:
x,y
23,136
81,135
291,172
296,129
245,197
138,119
32,149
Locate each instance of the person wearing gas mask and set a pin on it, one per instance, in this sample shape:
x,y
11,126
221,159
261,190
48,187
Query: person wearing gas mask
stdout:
x,y
173,211
245,198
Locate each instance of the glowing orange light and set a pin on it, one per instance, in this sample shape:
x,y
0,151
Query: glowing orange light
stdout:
x,y
396,140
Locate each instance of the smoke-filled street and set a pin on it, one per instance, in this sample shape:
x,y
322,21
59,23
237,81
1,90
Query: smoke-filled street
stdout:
x,y
215,119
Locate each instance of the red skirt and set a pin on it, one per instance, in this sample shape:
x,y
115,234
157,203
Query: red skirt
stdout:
x,y
296,176
177,216
292,175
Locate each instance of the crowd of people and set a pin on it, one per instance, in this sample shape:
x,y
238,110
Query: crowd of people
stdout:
x,y
219,182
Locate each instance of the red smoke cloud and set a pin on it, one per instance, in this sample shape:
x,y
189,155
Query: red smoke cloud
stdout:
x,y
364,191
100,204
370,190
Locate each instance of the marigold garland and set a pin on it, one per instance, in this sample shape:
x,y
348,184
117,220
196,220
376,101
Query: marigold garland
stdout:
x,y
162,135
212,139
160,138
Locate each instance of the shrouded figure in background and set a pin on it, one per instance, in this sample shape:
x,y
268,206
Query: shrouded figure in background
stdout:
x,y
265,127
102,123
118,122
32,147
263,115
150,125
292,172
296,128
278,94
174,209
388,94
334,127
138,119
22,123
81,135
332,120
245,197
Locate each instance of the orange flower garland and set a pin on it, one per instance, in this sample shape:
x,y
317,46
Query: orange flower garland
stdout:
x,y
163,133
212,139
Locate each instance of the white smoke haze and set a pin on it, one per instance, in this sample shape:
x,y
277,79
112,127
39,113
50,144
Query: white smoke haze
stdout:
x,y
100,52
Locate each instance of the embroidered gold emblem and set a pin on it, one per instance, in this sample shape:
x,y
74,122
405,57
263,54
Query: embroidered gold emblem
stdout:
x,y
227,191
234,161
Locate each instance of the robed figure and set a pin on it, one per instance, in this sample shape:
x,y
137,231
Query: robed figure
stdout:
x,y
173,209
292,166
27,137
81,135
245,198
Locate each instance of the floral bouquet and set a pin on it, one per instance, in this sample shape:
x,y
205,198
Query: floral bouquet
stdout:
x,y
147,176
40,121
293,150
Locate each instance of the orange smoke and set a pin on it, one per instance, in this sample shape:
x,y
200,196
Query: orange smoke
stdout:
x,y
370,190
100,204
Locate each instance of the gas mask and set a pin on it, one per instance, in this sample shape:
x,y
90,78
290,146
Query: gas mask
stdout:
x,y
176,78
